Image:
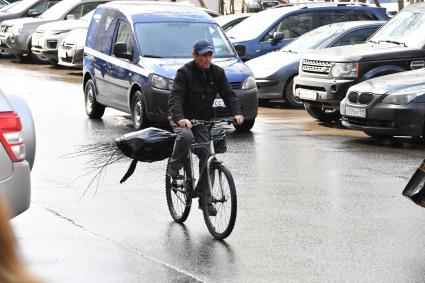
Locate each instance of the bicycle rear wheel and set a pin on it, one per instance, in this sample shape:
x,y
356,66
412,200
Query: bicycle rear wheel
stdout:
x,y
223,198
179,200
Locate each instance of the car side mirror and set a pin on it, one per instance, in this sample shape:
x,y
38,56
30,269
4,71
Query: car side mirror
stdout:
x,y
240,49
33,13
277,36
120,51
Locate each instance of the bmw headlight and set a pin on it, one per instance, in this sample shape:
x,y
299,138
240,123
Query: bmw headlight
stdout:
x,y
161,82
402,97
345,70
17,29
248,83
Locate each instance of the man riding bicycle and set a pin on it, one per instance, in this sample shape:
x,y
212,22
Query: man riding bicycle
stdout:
x,y
195,88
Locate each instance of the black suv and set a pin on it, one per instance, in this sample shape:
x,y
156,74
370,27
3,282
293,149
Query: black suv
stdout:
x,y
325,76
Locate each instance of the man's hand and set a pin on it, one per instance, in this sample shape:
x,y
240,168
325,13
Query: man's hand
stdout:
x,y
185,123
239,119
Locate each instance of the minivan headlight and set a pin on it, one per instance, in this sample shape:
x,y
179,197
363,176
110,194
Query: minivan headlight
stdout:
x,y
161,82
248,83
402,97
344,70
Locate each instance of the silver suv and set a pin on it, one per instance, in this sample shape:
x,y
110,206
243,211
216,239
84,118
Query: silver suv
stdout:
x,y
17,152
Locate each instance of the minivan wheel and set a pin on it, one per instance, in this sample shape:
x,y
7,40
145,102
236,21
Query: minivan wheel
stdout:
x,y
321,114
140,119
289,96
246,125
93,109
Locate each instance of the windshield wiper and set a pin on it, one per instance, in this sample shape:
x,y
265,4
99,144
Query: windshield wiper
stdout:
x,y
392,41
372,41
152,56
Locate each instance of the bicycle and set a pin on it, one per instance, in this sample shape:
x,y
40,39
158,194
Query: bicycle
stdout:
x,y
220,191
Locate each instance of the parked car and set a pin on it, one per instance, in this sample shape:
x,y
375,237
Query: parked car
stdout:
x,y
227,22
387,106
127,66
8,6
26,8
71,49
46,39
16,34
253,6
17,152
274,72
326,75
272,29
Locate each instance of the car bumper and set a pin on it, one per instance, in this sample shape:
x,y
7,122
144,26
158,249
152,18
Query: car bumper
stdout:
x,y
269,88
14,44
72,57
322,92
388,119
17,188
45,55
157,104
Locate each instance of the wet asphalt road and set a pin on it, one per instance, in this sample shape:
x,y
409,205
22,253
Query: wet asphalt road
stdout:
x,y
315,202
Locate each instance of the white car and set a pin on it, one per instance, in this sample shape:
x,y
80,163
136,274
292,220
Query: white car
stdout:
x,y
17,152
46,39
16,34
71,49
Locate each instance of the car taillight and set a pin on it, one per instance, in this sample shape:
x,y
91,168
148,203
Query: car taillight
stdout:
x,y
11,135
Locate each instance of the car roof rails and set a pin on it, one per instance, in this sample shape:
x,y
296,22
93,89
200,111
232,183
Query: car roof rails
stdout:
x,y
319,3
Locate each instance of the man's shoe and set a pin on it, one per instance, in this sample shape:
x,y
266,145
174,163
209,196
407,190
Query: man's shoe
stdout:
x,y
212,211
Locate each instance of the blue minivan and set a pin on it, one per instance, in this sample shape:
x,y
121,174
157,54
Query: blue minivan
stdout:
x,y
274,28
134,49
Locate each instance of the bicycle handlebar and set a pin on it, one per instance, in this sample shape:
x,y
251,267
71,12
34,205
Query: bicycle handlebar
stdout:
x,y
228,120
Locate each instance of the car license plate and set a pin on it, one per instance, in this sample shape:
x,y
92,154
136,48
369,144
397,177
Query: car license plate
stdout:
x,y
355,112
308,94
218,102
62,53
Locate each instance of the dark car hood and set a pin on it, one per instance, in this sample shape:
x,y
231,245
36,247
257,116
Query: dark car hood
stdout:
x,y
399,82
268,64
236,71
366,52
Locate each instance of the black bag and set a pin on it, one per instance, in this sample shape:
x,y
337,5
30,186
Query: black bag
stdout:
x,y
415,189
148,145
219,138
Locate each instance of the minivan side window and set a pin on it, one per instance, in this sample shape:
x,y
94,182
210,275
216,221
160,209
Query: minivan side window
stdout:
x,y
125,35
103,36
355,37
292,26
326,17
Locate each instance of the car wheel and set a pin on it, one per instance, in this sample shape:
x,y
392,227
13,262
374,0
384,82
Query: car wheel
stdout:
x,y
93,109
246,125
289,96
323,115
378,136
140,119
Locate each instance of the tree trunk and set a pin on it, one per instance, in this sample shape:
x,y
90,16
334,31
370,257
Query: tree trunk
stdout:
x,y
400,5
202,4
378,4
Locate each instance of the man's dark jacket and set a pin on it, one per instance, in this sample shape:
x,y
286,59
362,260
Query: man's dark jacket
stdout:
x,y
194,92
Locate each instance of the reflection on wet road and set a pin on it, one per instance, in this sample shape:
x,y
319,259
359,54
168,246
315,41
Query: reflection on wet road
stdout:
x,y
315,202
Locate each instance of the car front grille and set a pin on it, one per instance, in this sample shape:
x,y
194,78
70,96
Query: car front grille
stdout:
x,y
370,122
4,28
52,44
317,67
360,98
236,85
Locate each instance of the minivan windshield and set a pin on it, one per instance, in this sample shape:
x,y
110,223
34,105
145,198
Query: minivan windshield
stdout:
x,y
315,39
406,29
175,39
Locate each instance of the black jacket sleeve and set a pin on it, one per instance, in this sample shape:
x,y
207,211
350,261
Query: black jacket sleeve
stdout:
x,y
176,97
230,98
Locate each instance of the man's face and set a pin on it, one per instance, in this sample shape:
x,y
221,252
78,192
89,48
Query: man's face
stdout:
x,y
203,61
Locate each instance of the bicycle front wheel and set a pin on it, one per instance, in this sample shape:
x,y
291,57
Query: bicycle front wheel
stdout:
x,y
222,197
179,200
